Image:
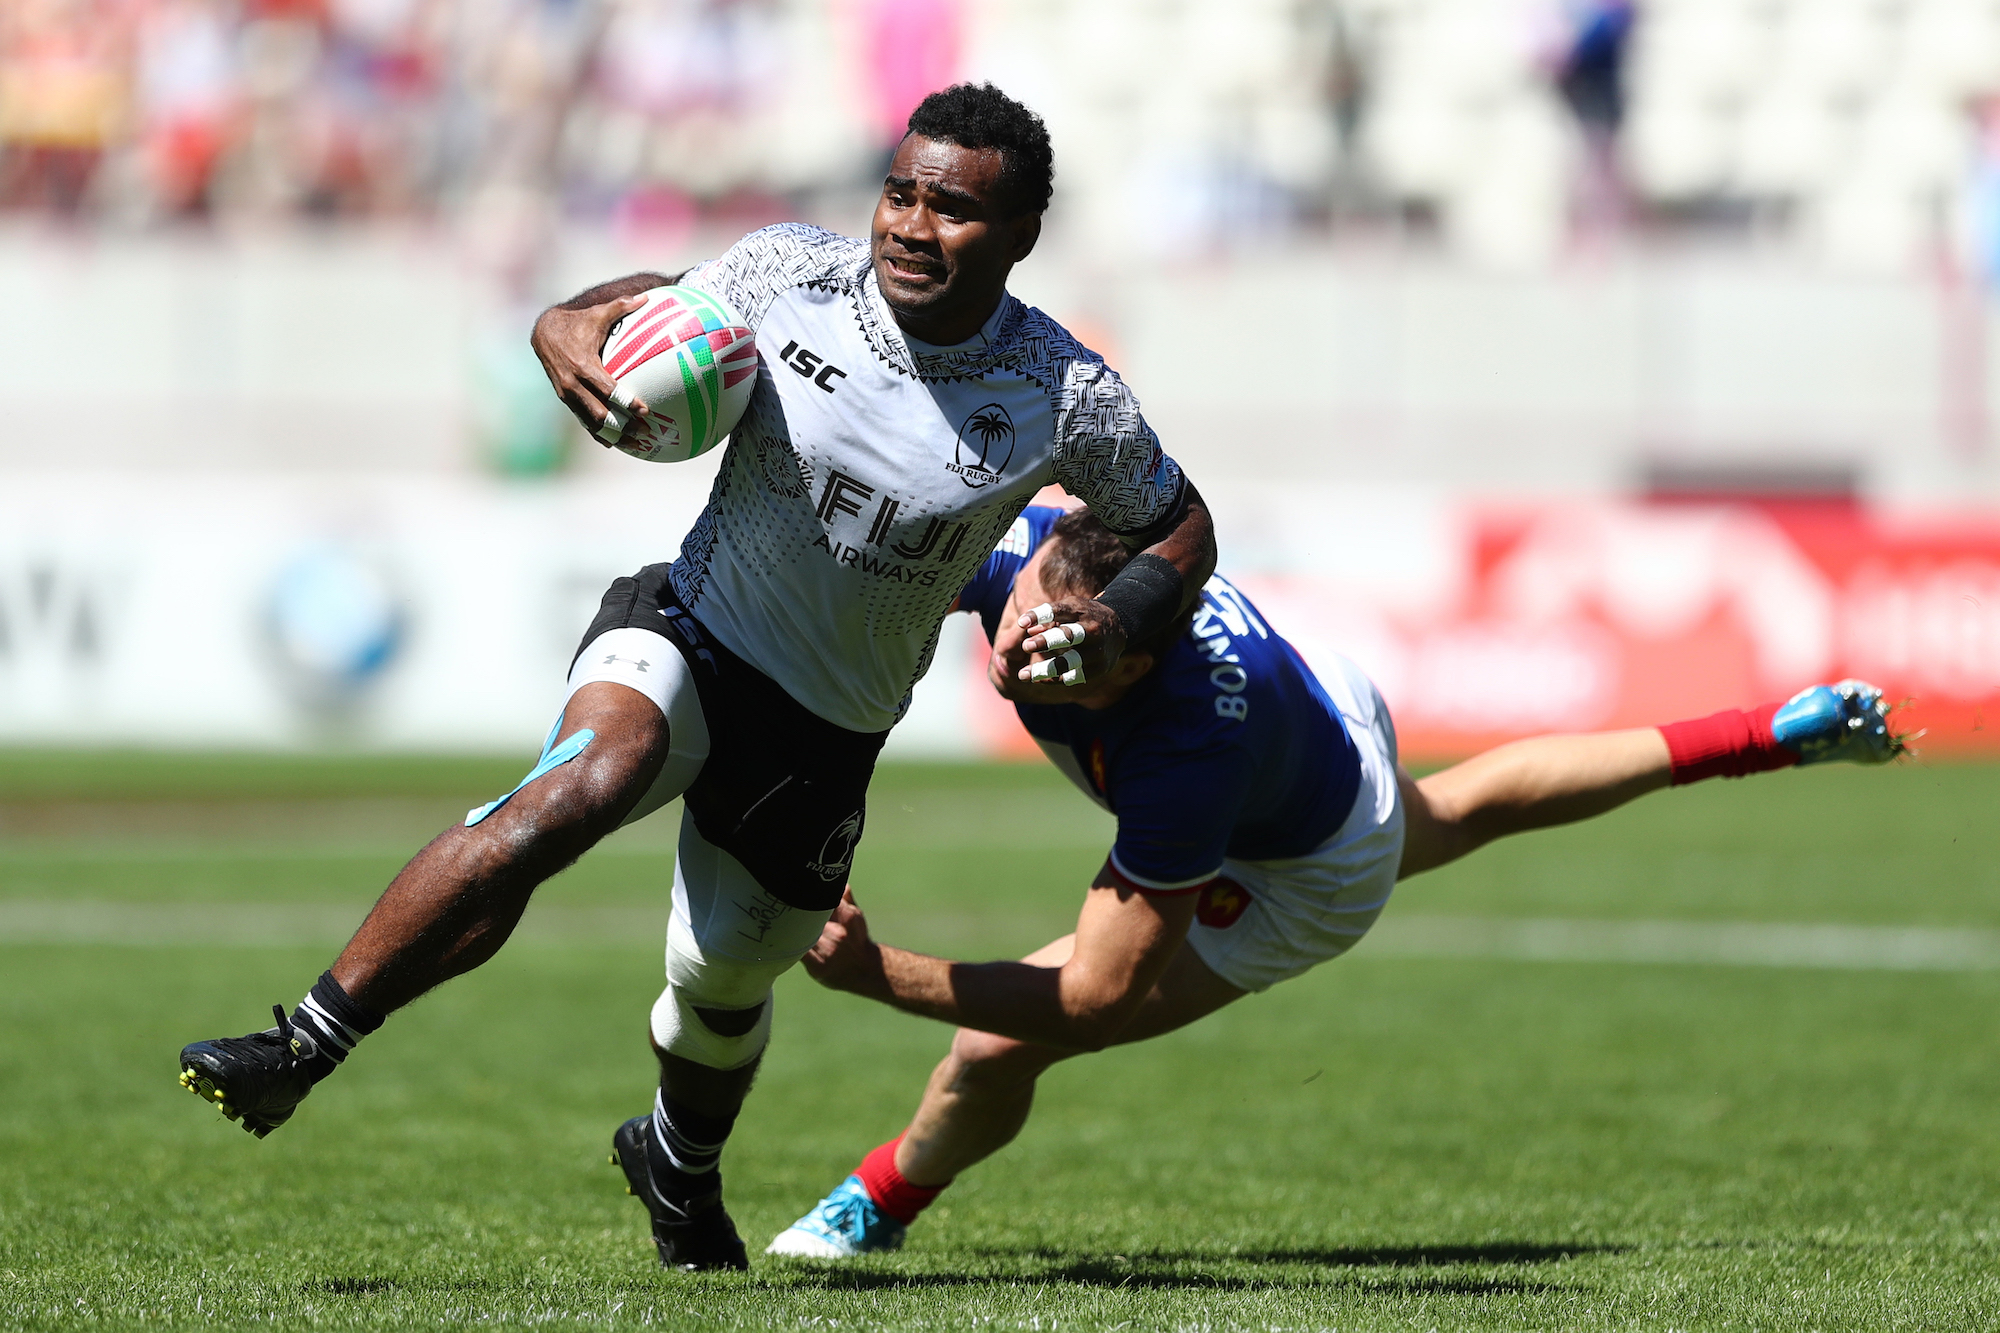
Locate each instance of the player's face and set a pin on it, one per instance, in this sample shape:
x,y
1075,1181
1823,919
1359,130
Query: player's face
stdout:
x,y
945,237
1028,593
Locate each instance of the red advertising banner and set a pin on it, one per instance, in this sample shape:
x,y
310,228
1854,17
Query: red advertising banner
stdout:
x,y
1585,616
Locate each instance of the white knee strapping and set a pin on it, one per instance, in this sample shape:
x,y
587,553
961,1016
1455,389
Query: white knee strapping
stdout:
x,y
649,663
727,941
679,1030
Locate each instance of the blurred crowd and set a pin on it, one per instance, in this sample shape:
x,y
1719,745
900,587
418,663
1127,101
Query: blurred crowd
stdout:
x,y
156,110
1864,127
1518,129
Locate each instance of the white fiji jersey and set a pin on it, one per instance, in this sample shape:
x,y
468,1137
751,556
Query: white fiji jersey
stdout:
x,y
871,474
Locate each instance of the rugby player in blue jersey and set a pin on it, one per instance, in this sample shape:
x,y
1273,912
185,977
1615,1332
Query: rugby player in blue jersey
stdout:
x,y
1262,823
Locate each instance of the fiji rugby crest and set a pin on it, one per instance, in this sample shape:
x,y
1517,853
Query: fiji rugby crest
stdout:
x,y
985,444
838,851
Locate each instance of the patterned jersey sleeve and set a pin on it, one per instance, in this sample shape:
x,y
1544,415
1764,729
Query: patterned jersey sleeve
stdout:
x,y
986,595
755,271
1105,453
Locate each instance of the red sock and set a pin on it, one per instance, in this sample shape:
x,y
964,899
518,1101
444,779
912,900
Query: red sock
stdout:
x,y
885,1185
1729,744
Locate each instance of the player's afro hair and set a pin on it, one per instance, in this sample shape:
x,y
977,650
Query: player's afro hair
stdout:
x,y
1082,556
978,115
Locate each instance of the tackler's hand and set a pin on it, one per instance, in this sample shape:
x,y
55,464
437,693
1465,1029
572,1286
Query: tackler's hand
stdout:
x,y
569,343
844,958
1069,643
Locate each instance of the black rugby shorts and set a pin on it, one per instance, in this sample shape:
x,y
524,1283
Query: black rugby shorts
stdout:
x,y
783,790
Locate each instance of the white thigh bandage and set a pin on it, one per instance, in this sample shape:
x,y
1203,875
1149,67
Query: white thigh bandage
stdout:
x,y
649,663
727,941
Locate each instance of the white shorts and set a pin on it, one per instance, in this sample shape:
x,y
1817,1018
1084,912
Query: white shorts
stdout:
x,y
719,910
1305,910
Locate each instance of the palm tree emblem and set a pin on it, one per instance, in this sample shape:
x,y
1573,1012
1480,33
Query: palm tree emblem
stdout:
x,y
986,440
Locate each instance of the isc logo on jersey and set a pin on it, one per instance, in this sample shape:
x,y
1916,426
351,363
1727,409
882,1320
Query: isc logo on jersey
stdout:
x,y
692,360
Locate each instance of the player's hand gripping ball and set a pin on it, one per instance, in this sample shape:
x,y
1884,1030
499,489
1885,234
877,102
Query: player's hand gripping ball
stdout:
x,y
692,361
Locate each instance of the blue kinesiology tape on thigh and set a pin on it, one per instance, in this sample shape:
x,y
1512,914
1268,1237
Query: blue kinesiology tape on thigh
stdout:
x,y
551,759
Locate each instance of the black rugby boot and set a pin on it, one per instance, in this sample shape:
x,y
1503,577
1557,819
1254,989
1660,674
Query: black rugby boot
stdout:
x,y
695,1237
258,1080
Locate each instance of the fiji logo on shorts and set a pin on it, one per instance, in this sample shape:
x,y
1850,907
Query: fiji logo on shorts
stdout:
x,y
838,852
1221,904
985,444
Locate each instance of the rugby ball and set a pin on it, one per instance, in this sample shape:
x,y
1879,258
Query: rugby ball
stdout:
x,y
693,362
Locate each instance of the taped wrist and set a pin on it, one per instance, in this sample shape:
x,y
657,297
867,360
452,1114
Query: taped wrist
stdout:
x,y
1145,596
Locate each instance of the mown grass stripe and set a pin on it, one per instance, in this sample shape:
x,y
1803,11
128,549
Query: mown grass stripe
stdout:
x,y
1821,945
1724,943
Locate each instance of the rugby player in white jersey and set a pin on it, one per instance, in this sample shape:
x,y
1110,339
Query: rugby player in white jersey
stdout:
x,y
1262,823
906,410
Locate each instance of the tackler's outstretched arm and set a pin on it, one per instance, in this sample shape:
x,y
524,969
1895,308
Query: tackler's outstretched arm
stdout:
x,y
1124,941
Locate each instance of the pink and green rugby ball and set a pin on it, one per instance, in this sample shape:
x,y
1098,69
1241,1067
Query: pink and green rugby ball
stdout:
x,y
693,362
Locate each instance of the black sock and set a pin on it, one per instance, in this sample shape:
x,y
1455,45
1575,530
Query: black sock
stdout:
x,y
687,1147
331,1024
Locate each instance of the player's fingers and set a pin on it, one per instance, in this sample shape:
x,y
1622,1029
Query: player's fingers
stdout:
x,y
591,372
614,310
580,404
1067,668
583,392
1040,617
1062,636
612,428
583,402
597,391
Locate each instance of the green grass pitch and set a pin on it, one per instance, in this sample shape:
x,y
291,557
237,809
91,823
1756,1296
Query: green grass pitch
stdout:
x,y
1393,1141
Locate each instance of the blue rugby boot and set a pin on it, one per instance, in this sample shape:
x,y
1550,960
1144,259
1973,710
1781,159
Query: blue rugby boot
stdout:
x,y
1848,721
845,1225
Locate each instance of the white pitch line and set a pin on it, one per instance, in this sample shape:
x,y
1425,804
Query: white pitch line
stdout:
x,y
33,921
1725,943
1507,939
39,853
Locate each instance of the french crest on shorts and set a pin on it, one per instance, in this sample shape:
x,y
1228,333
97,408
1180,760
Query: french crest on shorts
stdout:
x,y
985,444
1221,904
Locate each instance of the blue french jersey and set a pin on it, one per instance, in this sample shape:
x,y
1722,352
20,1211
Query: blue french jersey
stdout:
x,y
1229,747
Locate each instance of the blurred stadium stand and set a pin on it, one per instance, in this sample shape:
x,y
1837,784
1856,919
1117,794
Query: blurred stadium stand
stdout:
x,y
1373,264
1859,130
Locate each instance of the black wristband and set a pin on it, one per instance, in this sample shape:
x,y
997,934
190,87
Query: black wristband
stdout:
x,y
1145,596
